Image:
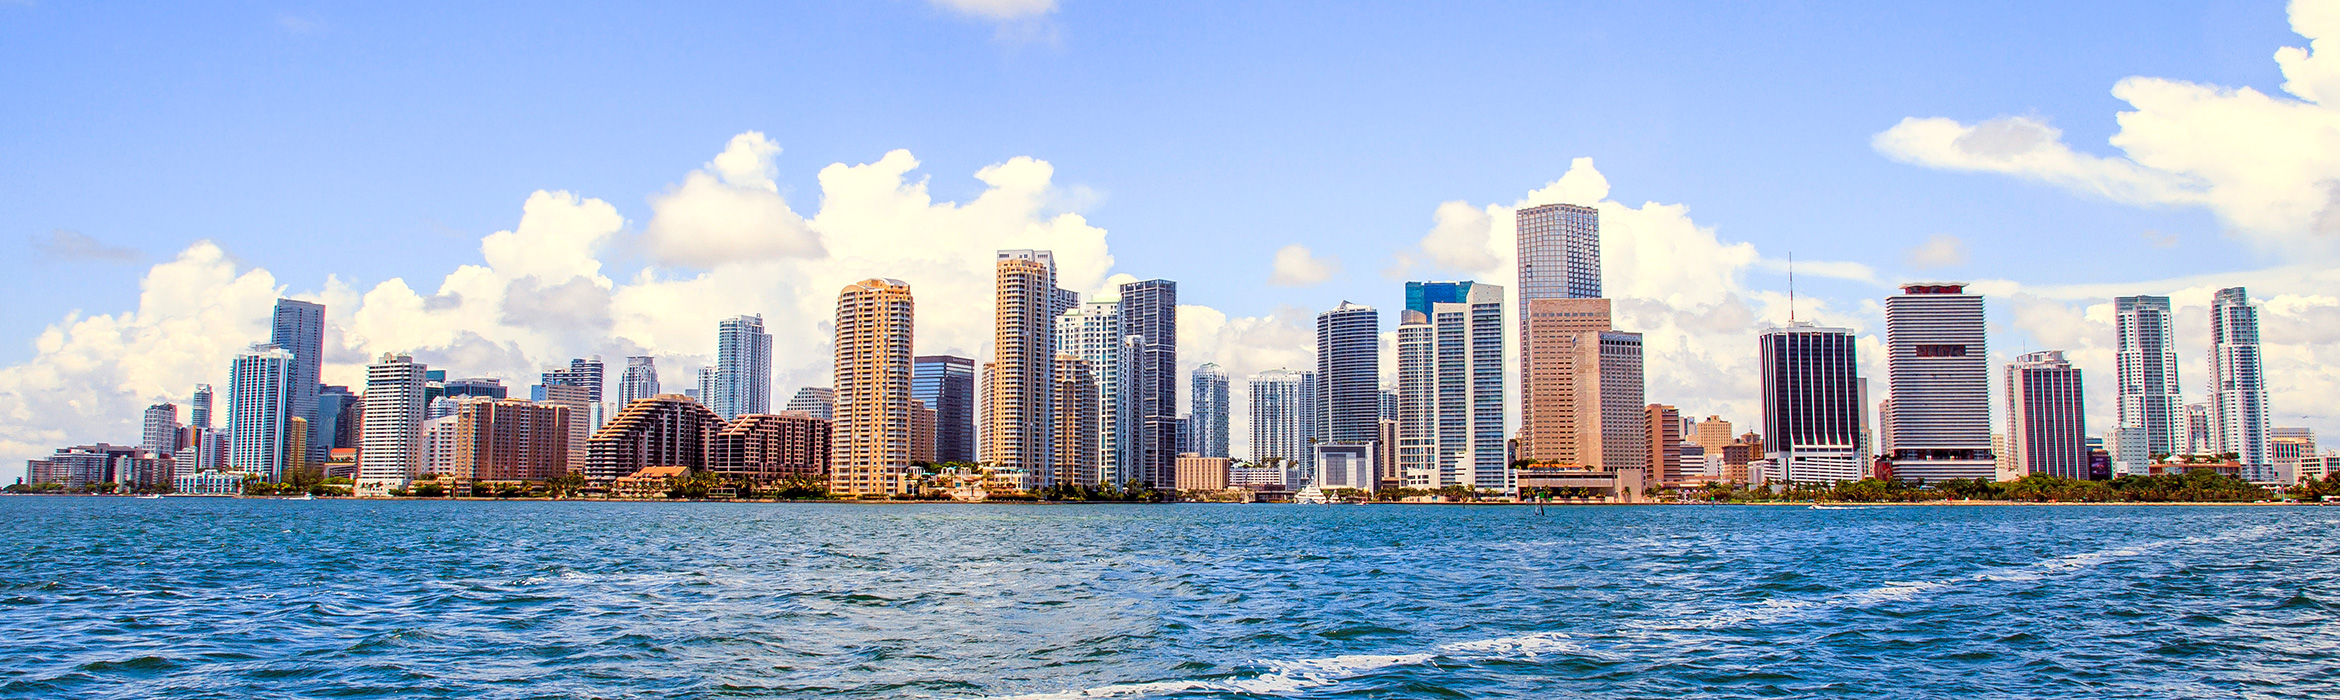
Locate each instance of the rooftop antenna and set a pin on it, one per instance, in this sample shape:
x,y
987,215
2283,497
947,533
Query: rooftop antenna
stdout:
x,y
1791,288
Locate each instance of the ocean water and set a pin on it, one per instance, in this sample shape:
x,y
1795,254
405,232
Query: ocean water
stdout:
x,y
209,598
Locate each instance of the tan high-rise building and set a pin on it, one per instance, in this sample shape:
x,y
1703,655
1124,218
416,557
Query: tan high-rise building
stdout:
x,y
924,421
1664,424
1551,427
873,421
1077,425
579,400
511,440
1712,434
1016,416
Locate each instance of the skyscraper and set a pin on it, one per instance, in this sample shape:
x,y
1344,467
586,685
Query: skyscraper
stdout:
x,y
947,384
299,328
159,432
2148,363
199,409
1075,422
2238,389
1149,321
875,323
1560,388
1559,252
510,439
334,407
1463,430
1665,443
1420,295
1093,332
1940,420
1812,404
1210,411
1016,431
743,367
767,448
1348,375
2047,429
1283,416
259,409
392,450
640,380
584,373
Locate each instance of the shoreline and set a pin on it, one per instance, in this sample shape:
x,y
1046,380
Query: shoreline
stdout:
x,y
1770,504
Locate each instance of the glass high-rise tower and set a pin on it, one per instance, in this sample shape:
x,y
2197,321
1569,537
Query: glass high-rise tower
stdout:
x,y
1348,375
743,367
1210,414
946,384
299,328
1149,320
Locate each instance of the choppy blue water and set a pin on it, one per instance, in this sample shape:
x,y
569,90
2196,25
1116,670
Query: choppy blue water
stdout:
x,y
205,598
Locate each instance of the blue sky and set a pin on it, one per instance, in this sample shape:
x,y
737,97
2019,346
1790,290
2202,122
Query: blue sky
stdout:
x,y
370,143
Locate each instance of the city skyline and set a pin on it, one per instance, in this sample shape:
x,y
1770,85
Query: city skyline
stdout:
x,y
563,239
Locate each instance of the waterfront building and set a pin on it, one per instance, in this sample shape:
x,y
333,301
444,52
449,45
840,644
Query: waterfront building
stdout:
x,y
2148,373
764,448
1093,332
640,380
1252,476
743,367
438,447
1345,466
1554,425
2290,447
946,383
259,406
159,429
299,328
510,439
668,430
1210,410
1016,431
199,409
80,467
1283,416
816,401
2047,429
1457,349
582,409
1202,473
1811,409
1664,424
2238,387
1075,422
875,324
1938,364
391,452
1149,321
1348,375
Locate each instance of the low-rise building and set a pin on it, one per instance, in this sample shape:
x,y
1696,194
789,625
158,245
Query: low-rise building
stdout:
x,y
1199,473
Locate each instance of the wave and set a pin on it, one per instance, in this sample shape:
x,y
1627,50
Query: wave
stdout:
x,y
1280,677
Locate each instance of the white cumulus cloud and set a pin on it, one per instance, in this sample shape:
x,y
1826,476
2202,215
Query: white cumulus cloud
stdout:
x,y
1297,267
1939,251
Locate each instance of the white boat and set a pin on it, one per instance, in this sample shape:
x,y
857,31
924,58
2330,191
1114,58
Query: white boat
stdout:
x,y
302,497
150,495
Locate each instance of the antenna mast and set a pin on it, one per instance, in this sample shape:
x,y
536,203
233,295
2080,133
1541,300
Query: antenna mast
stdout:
x,y
1791,287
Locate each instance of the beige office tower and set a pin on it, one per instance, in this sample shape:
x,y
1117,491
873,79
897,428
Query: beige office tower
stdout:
x,y
872,433
1015,418
1076,424
923,422
1664,424
1550,428
1714,434
579,401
